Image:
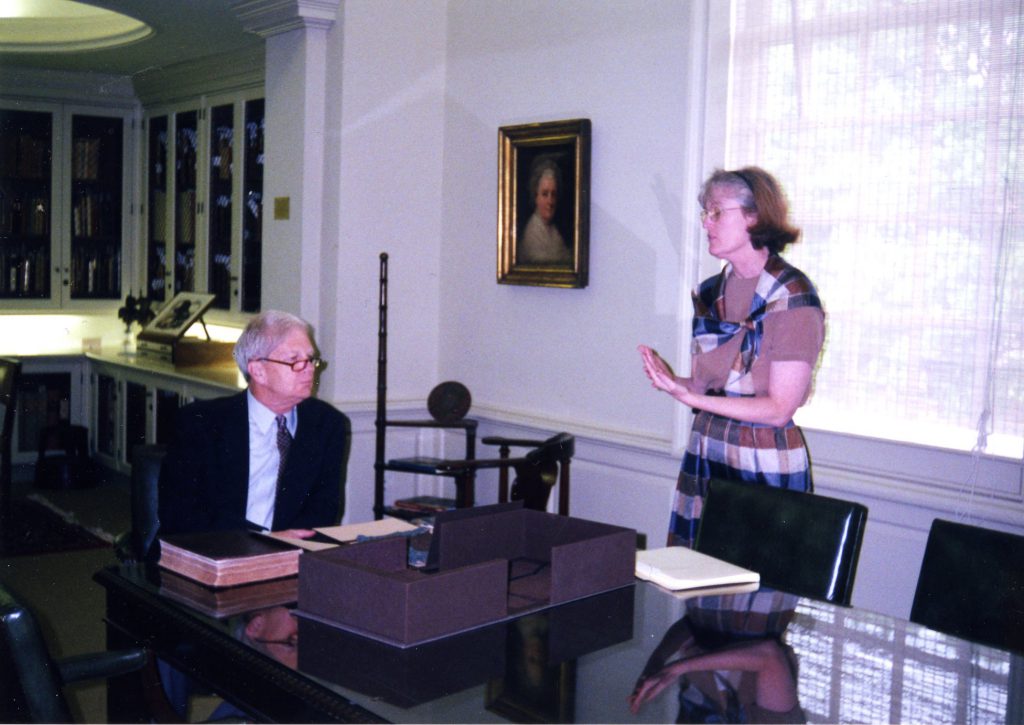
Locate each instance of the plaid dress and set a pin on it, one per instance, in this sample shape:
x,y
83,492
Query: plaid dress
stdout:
x,y
720,447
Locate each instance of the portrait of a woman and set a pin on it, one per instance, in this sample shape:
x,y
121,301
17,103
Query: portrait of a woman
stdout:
x,y
541,241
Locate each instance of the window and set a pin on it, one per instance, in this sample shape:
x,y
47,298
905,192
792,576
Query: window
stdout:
x,y
895,128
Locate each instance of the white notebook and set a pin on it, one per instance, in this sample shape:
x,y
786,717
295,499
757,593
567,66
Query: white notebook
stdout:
x,y
676,568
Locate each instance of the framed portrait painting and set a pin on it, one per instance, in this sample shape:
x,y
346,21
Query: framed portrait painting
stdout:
x,y
544,203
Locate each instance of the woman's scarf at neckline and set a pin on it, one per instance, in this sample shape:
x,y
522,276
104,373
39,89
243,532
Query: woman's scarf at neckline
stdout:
x,y
780,287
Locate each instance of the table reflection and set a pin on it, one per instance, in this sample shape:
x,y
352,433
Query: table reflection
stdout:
x,y
273,631
742,680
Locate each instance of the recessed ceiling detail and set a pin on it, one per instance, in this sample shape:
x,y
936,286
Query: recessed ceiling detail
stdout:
x,y
64,26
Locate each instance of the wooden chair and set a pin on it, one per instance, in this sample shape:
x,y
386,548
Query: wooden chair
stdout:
x,y
447,404
800,543
537,471
10,371
971,585
31,681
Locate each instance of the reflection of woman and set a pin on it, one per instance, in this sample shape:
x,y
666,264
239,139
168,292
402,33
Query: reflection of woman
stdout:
x,y
541,242
742,681
758,328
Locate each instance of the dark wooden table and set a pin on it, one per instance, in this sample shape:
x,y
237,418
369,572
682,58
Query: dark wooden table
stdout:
x,y
577,662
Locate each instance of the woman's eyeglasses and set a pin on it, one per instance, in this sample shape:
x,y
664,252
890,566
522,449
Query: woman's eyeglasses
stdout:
x,y
713,215
297,366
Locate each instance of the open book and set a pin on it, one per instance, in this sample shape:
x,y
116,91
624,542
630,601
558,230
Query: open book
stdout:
x,y
228,558
330,536
676,568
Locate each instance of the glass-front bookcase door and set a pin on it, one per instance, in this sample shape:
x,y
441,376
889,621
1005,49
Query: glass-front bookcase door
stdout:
x,y
158,206
26,203
252,214
204,201
96,216
219,202
186,168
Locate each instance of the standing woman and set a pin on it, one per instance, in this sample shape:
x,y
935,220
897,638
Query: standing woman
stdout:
x,y
758,328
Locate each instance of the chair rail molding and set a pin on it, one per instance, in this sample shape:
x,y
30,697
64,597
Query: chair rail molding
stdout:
x,y
271,17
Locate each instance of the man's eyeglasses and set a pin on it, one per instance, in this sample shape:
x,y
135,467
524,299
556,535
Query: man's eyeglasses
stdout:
x,y
713,215
296,365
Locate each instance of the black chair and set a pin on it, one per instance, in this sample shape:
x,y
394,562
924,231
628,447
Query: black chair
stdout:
x,y
10,371
801,543
537,472
62,459
971,585
31,682
137,544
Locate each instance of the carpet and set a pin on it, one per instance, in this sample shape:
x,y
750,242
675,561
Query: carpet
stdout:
x,y
35,528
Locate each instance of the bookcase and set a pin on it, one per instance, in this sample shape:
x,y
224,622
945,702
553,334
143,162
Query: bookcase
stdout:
x,y
26,198
204,208
62,205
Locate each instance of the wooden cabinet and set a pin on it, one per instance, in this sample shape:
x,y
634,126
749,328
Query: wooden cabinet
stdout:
x,y
134,402
50,391
204,175
63,205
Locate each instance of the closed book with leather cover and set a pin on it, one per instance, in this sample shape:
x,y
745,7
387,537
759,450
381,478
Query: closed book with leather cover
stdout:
x,y
227,558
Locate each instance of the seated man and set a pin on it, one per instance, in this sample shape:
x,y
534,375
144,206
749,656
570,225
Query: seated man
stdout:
x,y
271,457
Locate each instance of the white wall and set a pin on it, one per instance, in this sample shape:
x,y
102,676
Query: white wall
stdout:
x,y
421,89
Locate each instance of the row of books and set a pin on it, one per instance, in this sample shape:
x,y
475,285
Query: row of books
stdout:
x,y
24,216
24,156
94,215
85,158
424,504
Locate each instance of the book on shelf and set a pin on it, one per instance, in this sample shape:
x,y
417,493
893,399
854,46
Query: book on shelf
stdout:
x,y
678,568
227,558
228,601
431,504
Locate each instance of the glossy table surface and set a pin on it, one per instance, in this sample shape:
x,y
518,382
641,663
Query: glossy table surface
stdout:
x,y
577,662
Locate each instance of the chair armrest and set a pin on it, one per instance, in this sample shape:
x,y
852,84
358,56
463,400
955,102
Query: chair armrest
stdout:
x,y
500,441
124,549
101,665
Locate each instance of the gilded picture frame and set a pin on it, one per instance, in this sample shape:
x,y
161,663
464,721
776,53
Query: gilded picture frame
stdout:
x,y
533,689
544,203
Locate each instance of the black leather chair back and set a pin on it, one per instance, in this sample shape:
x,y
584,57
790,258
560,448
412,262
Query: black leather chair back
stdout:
x,y
145,481
971,585
10,370
31,681
539,470
801,543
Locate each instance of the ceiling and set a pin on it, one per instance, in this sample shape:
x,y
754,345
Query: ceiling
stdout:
x,y
182,30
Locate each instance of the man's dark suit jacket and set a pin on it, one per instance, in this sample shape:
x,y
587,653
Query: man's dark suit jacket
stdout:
x,y
204,479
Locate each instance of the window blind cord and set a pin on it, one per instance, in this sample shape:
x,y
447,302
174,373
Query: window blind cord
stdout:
x,y
999,293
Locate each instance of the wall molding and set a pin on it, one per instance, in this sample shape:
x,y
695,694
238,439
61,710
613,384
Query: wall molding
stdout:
x,y
225,73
